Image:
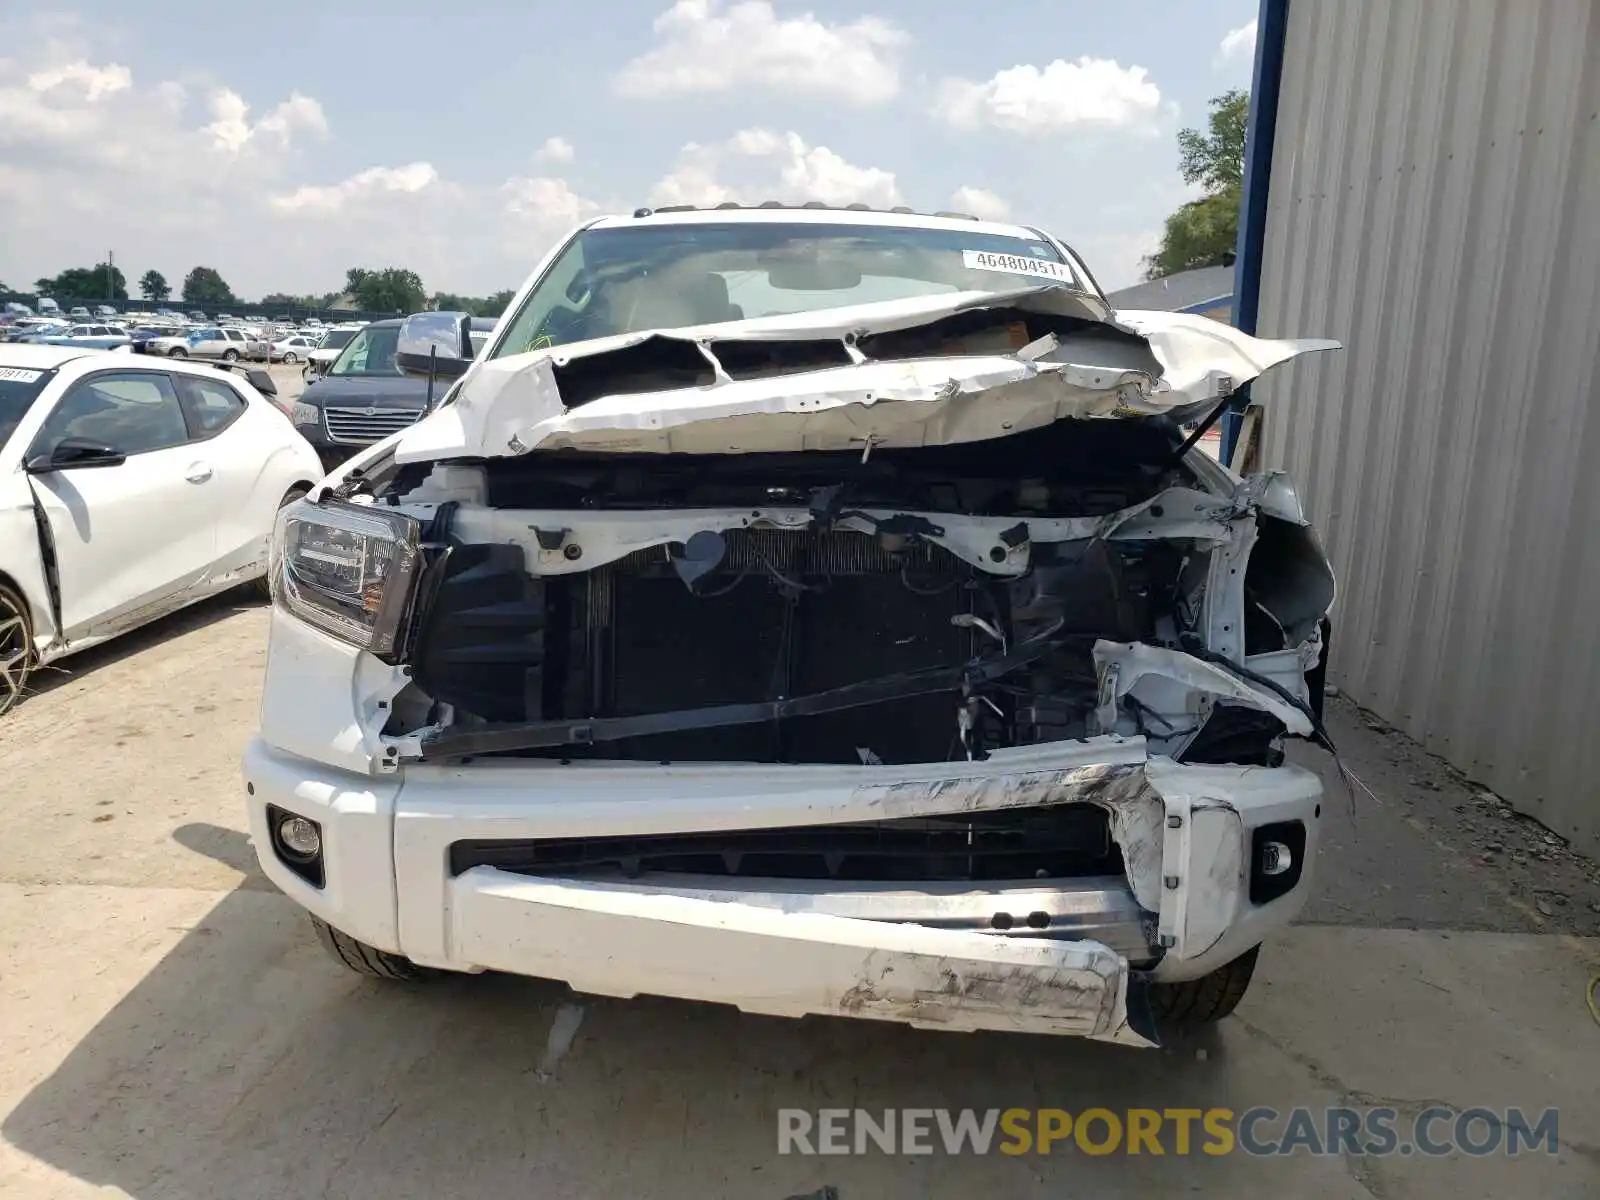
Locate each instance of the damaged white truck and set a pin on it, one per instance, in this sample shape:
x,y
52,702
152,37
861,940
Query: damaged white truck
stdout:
x,y
815,611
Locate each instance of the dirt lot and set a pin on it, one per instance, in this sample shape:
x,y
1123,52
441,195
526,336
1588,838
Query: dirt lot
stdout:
x,y
173,1033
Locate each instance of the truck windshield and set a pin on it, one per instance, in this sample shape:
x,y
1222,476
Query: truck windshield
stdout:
x,y
629,279
19,388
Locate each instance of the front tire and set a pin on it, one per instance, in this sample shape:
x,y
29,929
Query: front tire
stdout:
x,y
177,352
1195,1003
366,960
289,358
230,356
16,647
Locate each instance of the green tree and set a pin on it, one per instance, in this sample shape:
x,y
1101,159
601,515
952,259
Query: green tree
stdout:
x,y
153,286
393,289
203,286
1204,232
478,306
99,282
1215,158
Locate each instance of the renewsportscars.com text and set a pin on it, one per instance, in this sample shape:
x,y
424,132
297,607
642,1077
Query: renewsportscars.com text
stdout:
x,y
1359,1132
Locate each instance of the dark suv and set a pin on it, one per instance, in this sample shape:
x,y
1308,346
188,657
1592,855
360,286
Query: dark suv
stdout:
x,y
363,397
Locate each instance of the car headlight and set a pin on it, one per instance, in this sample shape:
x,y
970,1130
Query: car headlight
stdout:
x,y
306,414
349,570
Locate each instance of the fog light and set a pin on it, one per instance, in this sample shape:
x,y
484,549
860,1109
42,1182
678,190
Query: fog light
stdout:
x,y
300,837
1276,858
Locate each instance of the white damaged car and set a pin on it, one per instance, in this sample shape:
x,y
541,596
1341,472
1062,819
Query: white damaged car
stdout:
x,y
815,611
130,487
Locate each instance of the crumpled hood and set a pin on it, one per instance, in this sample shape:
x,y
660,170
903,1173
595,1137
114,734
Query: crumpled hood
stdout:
x,y
1097,363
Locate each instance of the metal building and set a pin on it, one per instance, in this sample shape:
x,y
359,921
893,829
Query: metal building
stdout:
x,y
1204,291
1423,184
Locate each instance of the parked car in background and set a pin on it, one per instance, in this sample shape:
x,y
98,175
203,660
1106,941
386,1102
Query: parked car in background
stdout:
x,y
27,328
362,397
88,337
80,313
104,311
172,343
328,346
128,488
290,349
16,308
48,307
197,315
211,341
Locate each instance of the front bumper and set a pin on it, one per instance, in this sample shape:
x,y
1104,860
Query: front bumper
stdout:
x,y
911,953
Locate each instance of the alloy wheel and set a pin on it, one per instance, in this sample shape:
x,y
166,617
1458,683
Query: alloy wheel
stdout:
x,y
16,649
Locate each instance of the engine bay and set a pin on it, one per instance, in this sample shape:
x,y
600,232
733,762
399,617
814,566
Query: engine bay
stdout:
x,y
908,606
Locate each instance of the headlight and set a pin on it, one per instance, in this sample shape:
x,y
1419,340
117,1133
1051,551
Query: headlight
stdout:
x,y
306,414
348,570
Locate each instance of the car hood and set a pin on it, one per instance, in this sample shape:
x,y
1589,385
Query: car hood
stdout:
x,y
624,394
379,391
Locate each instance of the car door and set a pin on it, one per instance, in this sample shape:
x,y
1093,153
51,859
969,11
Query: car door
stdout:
x,y
206,343
238,440
134,540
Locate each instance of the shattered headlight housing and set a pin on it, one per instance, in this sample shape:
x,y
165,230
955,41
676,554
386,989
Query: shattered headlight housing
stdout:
x,y
350,570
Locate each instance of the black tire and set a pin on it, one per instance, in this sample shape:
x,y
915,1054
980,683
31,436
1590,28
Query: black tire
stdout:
x,y
1205,1001
367,960
177,352
230,356
289,358
263,587
16,638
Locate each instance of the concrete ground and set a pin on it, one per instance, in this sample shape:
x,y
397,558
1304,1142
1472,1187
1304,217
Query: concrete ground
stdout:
x,y
172,1031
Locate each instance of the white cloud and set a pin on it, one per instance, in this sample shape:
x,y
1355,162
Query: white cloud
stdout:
x,y
94,81
1029,100
711,46
1117,259
803,173
1238,44
374,181
169,184
549,201
231,129
554,150
980,202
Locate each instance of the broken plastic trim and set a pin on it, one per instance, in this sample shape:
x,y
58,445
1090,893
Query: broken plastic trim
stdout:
x,y
548,735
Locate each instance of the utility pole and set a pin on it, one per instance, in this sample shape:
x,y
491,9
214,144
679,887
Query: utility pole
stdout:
x,y
111,276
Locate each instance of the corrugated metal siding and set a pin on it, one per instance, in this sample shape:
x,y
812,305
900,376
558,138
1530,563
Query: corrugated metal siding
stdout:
x,y
1435,205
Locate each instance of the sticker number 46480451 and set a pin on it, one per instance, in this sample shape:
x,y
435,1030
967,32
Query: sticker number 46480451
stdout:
x,y
1017,264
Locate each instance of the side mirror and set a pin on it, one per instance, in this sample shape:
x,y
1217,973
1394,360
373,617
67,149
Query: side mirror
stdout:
x,y
435,343
261,381
75,453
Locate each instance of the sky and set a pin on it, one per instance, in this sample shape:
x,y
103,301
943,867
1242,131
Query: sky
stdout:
x,y
282,144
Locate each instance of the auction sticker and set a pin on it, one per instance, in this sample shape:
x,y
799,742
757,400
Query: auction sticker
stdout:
x,y
18,375
1017,264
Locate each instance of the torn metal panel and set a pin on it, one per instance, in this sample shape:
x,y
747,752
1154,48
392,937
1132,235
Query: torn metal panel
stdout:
x,y
1138,364
1174,685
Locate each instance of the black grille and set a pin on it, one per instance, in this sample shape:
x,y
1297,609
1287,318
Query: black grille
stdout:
x,y
1064,841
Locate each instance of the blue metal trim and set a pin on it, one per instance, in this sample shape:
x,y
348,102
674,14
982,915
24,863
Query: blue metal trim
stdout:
x,y
1272,28
1206,305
